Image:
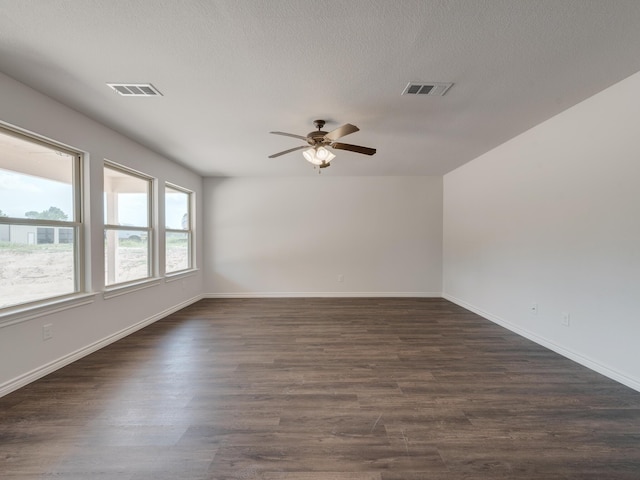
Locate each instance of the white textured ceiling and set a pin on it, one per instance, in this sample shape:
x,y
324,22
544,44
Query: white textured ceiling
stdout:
x,y
232,70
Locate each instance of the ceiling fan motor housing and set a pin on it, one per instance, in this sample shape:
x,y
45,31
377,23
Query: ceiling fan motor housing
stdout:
x,y
316,138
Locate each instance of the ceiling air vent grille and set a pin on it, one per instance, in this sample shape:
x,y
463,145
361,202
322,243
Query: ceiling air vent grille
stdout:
x,y
437,89
135,89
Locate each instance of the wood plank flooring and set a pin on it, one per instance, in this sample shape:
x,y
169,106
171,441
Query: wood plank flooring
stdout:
x,y
322,389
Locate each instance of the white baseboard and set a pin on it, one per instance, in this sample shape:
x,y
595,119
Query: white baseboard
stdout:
x,y
324,295
576,357
50,367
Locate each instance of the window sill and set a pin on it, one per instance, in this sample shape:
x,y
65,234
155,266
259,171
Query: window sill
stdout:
x,y
23,313
118,290
172,277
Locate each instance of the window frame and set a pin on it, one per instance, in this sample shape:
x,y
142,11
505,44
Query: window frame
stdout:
x,y
77,225
149,229
189,231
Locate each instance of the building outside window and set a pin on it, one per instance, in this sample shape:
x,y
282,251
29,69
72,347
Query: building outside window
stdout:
x,y
178,229
128,233
40,220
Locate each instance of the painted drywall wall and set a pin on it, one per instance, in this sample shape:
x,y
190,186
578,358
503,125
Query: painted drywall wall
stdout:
x,y
24,356
297,236
552,218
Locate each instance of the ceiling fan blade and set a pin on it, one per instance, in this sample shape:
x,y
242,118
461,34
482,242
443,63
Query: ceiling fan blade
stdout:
x,y
354,148
290,135
339,132
288,151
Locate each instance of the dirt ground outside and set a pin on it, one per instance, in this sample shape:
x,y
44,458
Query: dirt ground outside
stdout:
x,y
34,272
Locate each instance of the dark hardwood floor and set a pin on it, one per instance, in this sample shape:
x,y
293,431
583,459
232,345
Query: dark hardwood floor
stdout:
x,y
322,389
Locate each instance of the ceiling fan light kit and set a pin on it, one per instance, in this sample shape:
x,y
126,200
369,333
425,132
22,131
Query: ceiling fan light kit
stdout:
x,y
318,154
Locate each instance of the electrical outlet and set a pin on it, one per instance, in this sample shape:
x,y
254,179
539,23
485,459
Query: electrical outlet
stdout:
x,y
340,278
566,319
533,309
47,331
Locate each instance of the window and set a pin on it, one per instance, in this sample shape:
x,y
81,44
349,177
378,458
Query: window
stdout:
x,y
127,219
178,229
40,220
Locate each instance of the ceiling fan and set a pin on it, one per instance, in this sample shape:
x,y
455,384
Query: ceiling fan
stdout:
x,y
317,142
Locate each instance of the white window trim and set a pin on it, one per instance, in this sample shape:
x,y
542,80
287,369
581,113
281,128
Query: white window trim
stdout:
x,y
192,258
29,311
122,288
13,314
129,287
174,276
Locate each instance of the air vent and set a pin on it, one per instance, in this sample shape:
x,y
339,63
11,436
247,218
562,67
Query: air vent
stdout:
x,y
135,89
437,89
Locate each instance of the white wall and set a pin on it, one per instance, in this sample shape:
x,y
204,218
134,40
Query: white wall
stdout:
x,y
24,356
553,217
294,236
